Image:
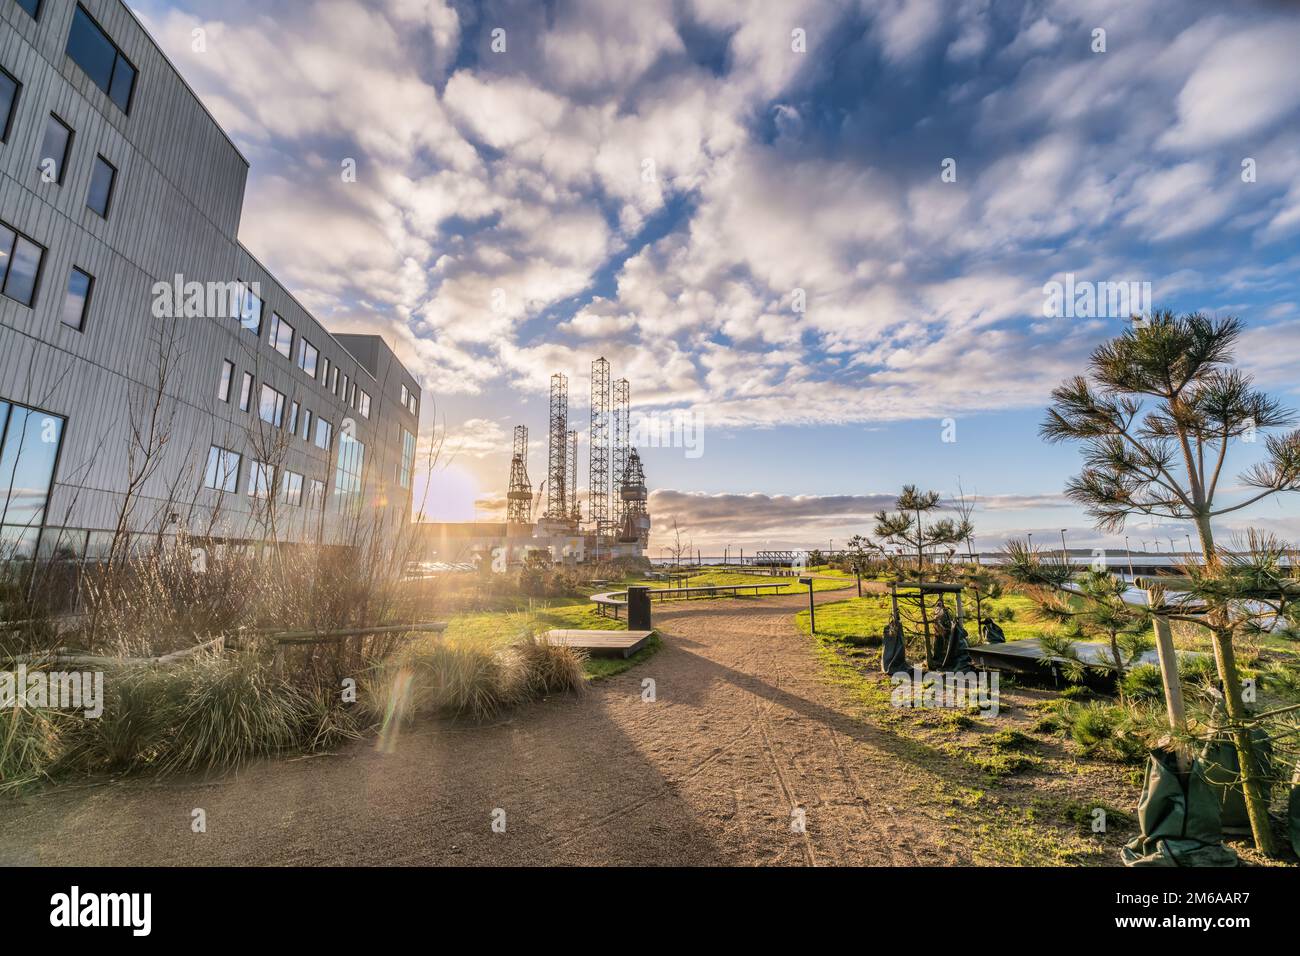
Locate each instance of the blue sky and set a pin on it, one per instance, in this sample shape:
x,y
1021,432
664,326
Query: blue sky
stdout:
x,y
660,182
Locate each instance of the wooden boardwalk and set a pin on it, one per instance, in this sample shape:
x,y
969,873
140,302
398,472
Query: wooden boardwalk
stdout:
x,y
609,643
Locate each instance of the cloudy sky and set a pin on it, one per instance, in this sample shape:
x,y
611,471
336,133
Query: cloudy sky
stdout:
x,y
818,232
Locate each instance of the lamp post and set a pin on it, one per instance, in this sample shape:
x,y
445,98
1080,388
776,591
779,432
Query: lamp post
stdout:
x,y
1128,549
1065,553
812,609
1031,542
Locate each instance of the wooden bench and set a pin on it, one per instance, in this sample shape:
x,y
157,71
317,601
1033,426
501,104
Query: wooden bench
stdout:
x,y
602,643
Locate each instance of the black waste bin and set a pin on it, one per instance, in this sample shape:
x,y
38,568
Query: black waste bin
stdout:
x,y
638,609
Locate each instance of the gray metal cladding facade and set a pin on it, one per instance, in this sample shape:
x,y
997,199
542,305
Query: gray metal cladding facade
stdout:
x,y
175,211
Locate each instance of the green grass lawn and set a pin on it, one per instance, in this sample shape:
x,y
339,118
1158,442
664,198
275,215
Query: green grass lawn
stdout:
x,y
857,619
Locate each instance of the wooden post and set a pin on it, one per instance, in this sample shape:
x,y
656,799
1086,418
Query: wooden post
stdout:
x,y
1169,676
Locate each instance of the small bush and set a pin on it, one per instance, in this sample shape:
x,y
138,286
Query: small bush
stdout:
x,y
30,742
1110,732
1092,727
230,710
1198,670
552,668
1143,682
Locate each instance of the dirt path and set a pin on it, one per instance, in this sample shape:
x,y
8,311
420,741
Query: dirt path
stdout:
x,y
743,734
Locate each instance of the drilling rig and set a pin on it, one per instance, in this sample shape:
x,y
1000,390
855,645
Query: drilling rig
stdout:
x,y
519,499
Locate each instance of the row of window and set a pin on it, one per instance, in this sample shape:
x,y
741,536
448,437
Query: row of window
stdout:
x,y
271,407
408,399
91,48
101,59
222,474
248,311
56,145
20,269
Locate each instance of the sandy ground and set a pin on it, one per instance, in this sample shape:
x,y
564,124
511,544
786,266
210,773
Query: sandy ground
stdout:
x,y
742,734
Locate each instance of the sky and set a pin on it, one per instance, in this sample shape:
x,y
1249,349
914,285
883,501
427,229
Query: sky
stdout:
x,y
819,236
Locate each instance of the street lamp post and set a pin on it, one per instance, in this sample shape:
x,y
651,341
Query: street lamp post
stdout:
x,y
812,609
1065,552
1128,550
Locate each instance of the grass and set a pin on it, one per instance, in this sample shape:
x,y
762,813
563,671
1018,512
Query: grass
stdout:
x,y
860,621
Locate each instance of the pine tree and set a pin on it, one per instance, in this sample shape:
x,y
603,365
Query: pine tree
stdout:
x,y
1156,413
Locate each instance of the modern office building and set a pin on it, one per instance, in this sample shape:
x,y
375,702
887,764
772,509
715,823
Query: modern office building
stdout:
x,y
153,375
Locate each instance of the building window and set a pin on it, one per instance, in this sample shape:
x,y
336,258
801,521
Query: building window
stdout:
x,y
306,424
76,303
408,459
20,265
261,479
102,178
345,389
246,392
227,380
365,404
334,380
9,88
29,451
308,356
405,396
325,371
271,406
293,418
97,55
412,405
55,145
347,474
33,7
281,335
316,495
248,310
324,433
291,489
223,470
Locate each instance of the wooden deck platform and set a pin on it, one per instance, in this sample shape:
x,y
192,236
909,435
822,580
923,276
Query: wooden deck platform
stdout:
x,y
602,643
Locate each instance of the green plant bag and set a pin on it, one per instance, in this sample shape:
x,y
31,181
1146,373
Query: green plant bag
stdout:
x,y
1223,773
893,658
1179,818
991,633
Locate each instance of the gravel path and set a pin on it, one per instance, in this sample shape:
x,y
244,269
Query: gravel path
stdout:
x,y
743,734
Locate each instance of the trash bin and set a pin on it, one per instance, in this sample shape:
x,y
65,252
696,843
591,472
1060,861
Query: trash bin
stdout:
x,y
638,609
